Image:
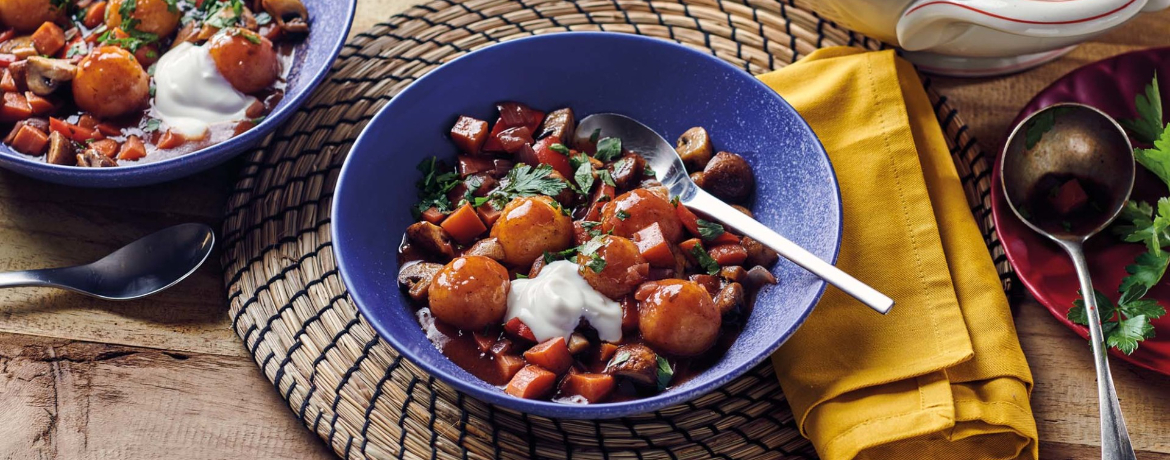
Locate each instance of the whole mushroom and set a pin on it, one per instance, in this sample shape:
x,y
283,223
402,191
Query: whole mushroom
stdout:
x,y
290,15
694,147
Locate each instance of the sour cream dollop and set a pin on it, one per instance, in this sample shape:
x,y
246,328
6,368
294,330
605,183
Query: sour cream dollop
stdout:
x,y
553,303
190,94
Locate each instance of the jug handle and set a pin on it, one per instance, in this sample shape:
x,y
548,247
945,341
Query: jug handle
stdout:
x,y
925,24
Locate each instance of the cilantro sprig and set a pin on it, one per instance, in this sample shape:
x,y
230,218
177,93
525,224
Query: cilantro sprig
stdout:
x,y
1127,323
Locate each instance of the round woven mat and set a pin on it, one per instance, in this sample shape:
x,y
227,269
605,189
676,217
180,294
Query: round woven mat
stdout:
x,y
292,311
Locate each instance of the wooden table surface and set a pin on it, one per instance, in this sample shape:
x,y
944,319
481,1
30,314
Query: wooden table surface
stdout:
x,y
166,377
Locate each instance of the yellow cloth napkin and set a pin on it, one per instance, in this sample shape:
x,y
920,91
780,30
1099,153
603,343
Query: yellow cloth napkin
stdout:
x,y
942,375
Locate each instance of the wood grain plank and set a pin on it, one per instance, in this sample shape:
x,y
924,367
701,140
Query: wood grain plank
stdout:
x,y
71,400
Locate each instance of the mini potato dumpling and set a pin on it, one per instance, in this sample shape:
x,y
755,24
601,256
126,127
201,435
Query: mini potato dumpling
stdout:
x,y
153,16
677,317
247,60
470,293
528,226
27,15
638,209
110,83
620,275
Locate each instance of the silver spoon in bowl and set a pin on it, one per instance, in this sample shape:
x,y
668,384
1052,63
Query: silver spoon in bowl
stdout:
x,y
141,268
669,169
1044,153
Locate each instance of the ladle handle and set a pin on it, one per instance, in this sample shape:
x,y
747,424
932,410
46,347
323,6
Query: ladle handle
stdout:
x,y
717,209
1115,443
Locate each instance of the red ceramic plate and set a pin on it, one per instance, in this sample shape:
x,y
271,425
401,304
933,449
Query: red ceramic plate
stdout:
x,y
1109,85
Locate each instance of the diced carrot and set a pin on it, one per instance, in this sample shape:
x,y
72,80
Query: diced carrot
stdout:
x,y
552,354
688,218
469,134
728,254
653,246
74,132
516,328
688,246
132,149
605,352
593,387
107,147
629,316
119,33
48,39
433,215
484,341
14,108
60,126
30,141
509,365
108,129
87,121
94,15
38,105
709,282
488,213
725,238
531,382
170,140
463,225
7,83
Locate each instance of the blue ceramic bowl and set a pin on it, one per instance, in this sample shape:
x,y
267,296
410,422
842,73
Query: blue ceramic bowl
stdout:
x,y
666,86
329,25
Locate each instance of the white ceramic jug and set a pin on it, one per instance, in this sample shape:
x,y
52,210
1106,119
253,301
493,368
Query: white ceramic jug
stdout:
x,y
982,37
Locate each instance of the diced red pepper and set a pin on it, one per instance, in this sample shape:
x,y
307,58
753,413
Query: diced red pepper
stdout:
x,y
688,218
512,139
629,316
515,114
516,328
469,134
1069,197
471,165
492,144
728,254
546,155
603,194
76,133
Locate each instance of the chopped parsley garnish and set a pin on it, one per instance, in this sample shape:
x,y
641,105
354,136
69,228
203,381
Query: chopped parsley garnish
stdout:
x,y
263,19
223,13
606,177
705,261
709,230
591,227
132,42
151,125
649,172
524,180
620,358
595,262
622,214
77,49
665,373
675,200
559,148
608,149
584,177
521,276
550,257
617,165
433,187
594,136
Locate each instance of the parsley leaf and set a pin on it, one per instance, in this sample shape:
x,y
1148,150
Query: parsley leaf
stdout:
x,y
709,265
559,148
434,185
550,257
665,373
1145,272
263,19
584,177
620,358
1127,333
1146,127
589,250
1157,159
608,149
151,125
606,177
621,214
524,180
709,230
1124,325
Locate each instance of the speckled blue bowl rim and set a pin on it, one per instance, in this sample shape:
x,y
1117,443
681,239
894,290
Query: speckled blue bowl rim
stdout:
x,y
584,411
200,160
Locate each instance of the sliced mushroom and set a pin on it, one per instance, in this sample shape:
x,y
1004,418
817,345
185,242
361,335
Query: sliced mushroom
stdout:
x,y
733,273
759,277
91,158
487,247
758,254
560,123
46,75
19,72
694,146
730,298
636,362
61,150
728,176
577,343
431,239
20,47
416,278
186,33
627,170
290,15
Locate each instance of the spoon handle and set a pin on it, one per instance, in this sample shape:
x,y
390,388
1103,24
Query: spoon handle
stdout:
x,y
26,278
1115,443
717,209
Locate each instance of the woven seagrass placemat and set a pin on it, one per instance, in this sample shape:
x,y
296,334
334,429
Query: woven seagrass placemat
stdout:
x,y
352,389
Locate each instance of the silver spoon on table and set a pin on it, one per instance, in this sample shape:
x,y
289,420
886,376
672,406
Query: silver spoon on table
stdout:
x,y
144,267
1047,150
669,169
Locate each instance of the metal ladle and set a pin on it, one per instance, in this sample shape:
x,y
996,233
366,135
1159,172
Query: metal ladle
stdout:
x,y
1051,146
